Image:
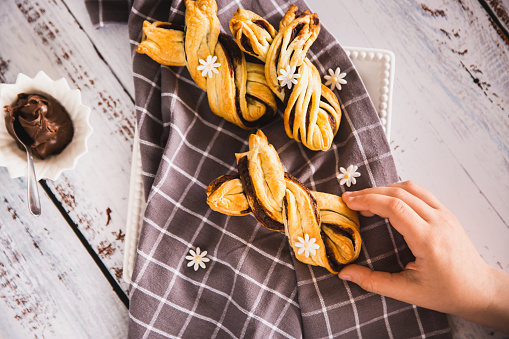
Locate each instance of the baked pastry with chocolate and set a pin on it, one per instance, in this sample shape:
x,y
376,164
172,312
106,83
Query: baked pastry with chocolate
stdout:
x,y
237,90
312,114
320,228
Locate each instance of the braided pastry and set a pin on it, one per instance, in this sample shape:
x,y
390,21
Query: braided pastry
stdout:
x,y
282,203
312,114
238,91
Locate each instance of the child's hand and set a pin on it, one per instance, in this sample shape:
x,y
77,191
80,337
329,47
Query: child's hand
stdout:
x,y
448,274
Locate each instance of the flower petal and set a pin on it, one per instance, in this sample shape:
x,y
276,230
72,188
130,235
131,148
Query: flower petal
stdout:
x,y
300,250
196,266
191,263
205,259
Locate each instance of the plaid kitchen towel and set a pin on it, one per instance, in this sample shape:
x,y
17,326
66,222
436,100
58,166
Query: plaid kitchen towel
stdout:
x,y
253,286
103,12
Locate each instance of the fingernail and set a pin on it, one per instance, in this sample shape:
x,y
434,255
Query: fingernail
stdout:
x,y
345,277
347,195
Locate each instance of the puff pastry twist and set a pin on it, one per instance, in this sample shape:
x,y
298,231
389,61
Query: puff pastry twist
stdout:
x,y
282,203
312,114
239,92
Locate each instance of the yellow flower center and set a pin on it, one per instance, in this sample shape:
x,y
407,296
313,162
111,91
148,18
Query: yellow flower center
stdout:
x,y
289,76
334,79
197,258
347,176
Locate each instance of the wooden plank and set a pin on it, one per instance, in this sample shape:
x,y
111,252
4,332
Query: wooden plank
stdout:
x,y
44,35
111,42
49,285
449,126
499,10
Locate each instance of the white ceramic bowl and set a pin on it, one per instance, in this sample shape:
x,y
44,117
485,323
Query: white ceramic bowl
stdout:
x,y
50,168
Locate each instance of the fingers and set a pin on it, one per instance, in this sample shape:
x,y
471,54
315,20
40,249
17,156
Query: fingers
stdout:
x,y
404,219
398,191
419,192
392,285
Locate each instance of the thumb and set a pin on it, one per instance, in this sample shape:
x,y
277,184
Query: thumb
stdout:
x,y
393,285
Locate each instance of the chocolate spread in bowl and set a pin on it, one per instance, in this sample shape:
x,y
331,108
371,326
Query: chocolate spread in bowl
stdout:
x,y
45,121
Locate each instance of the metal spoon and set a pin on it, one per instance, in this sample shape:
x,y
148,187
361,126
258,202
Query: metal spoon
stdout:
x,y
34,203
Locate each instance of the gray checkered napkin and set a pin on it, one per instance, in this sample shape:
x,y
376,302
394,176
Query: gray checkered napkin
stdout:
x,y
104,12
252,287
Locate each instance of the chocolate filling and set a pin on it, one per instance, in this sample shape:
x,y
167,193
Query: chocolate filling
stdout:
x,y
346,232
232,52
308,115
172,26
262,24
335,265
216,183
267,116
296,30
332,121
293,179
234,57
246,44
256,207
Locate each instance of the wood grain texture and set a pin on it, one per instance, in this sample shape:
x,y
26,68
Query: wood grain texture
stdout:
x,y
500,11
95,193
451,94
49,285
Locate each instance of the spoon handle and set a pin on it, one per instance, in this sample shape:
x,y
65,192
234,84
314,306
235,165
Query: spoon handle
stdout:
x,y
34,203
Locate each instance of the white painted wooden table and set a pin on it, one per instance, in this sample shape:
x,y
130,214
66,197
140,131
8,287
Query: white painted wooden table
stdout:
x,y
61,274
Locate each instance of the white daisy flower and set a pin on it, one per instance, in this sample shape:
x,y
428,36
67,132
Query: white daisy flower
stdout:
x,y
307,245
288,76
197,258
335,79
208,66
348,176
